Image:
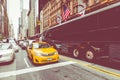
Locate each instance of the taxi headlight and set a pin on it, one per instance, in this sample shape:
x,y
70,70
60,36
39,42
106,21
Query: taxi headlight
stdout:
x,y
56,52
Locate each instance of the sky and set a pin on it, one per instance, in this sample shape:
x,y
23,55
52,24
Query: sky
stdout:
x,y
14,12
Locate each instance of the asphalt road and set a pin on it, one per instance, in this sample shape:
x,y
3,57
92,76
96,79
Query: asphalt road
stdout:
x,y
66,69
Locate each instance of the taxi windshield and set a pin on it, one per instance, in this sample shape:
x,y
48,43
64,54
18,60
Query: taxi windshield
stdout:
x,y
40,45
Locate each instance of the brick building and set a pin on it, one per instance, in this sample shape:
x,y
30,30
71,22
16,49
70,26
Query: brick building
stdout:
x,y
54,8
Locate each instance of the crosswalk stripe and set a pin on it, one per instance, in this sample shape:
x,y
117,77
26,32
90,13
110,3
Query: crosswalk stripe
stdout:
x,y
33,69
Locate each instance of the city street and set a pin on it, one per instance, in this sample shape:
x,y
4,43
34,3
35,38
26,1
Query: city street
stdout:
x,y
66,69
59,40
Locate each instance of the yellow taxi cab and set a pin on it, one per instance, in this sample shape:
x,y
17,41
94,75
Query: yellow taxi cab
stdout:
x,y
42,52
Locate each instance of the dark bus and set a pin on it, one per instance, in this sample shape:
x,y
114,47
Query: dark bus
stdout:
x,y
95,34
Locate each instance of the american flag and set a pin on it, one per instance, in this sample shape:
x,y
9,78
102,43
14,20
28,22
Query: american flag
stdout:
x,y
65,13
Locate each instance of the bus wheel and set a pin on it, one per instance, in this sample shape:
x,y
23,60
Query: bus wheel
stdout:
x,y
76,53
89,56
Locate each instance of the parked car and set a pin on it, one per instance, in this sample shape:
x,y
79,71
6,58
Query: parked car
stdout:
x,y
42,52
5,40
6,53
15,47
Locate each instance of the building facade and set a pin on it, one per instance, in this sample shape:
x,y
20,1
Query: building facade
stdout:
x,y
4,22
24,23
41,21
54,9
31,18
1,19
11,31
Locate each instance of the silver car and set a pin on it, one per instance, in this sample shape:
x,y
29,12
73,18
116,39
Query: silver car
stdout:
x,y
6,53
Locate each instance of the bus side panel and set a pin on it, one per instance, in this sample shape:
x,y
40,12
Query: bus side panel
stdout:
x,y
114,52
110,18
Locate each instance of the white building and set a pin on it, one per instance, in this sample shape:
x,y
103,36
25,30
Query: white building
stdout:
x,y
32,18
24,23
23,20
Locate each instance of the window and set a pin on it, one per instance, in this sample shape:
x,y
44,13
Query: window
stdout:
x,y
40,45
36,45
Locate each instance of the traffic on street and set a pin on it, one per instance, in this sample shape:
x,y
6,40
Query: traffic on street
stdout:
x,y
59,40
67,68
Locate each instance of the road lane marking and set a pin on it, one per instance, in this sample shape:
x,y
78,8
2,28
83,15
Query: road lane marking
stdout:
x,y
91,66
105,71
26,62
33,69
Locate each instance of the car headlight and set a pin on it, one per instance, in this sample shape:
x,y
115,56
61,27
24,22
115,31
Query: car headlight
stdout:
x,y
56,52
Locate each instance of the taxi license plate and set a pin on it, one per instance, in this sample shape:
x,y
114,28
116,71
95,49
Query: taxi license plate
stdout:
x,y
49,59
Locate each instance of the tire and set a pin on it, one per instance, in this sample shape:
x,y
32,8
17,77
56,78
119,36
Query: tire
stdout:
x,y
76,53
90,55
